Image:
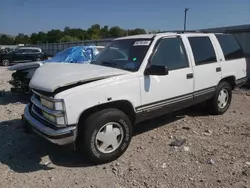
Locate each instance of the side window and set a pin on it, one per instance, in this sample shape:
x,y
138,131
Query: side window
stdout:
x,y
34,51
203,50
19,51
28,51
230,47
170,53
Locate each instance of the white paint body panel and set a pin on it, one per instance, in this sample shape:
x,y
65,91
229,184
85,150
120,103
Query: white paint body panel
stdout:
x,y
80,98
132,87
51,76
157,88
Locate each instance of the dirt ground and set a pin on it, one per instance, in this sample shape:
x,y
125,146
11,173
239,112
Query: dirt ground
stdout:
x,y
216,152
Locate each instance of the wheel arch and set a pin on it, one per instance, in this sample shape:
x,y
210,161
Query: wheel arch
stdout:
x,y
123,105
229,79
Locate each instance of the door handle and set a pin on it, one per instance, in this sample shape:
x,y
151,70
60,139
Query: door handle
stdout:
x,y
190,76
218,69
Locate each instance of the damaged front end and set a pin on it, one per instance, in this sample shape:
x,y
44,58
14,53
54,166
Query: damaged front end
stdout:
x,y
20,81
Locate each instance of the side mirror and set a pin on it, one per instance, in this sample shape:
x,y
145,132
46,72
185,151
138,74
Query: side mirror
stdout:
x,y
156,70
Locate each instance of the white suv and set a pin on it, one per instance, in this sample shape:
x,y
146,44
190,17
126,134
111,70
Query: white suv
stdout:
x,y
133,79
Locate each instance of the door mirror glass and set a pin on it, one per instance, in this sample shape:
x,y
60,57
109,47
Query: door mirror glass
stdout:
x,y
156,70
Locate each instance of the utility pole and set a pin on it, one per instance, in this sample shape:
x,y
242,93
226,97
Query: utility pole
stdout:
x,y
185,18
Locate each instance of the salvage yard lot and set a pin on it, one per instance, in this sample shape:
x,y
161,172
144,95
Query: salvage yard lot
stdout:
x,y
216,152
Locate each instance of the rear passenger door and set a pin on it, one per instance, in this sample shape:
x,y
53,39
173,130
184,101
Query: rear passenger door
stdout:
x,y
206,66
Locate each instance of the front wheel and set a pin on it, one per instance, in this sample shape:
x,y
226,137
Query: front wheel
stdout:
x,y
105,135
221,101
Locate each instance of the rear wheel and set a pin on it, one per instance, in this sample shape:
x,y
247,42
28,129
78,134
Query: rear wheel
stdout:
x,y
6,62
221,101
105,135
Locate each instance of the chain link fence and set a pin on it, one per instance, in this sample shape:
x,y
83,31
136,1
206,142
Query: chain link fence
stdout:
x,y
50,49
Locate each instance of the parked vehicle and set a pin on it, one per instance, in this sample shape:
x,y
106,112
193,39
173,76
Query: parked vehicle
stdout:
x,y
21,55
135,78
24,72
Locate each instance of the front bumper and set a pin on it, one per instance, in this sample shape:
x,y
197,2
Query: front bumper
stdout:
x,y
62,136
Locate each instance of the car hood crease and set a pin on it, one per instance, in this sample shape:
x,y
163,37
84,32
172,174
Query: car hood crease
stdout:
x,y
52,76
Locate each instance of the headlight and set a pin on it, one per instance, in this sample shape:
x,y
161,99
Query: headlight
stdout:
x,y
59,121
47,103
49,117
52,105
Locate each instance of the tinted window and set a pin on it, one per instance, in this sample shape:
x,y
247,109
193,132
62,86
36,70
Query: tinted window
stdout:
x,y
28,50
34,51
19,51
230,47
170,53
203,50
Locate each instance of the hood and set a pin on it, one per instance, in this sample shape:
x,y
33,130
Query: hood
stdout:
x,y
52,76
23,66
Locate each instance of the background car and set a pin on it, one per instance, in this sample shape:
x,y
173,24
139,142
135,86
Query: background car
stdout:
x,y
21,55
24,71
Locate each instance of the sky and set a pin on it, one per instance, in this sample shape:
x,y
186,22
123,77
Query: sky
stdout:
x,y
28,16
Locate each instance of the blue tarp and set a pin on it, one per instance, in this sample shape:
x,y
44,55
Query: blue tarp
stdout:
x,y
77,54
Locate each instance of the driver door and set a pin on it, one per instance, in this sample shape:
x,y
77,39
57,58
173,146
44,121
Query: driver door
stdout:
x,y
165,93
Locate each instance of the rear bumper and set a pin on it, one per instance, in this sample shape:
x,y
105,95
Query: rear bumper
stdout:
x,y
61,136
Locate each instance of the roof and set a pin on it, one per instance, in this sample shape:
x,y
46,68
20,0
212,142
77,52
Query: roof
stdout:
x,y
23,47
163,34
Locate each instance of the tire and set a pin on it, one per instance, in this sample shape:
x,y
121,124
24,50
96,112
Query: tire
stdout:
x,y
96,126
215,105
6,62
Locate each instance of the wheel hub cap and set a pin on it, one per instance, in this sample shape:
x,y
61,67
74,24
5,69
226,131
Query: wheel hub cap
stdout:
x,y
223,98
109,137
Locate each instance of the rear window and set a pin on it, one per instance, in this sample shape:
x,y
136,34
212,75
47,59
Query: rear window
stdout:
x,y
230,47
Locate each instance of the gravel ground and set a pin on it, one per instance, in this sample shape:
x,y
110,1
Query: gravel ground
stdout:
x,y
216,152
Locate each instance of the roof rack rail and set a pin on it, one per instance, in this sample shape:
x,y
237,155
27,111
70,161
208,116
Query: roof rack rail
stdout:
x,y
182,31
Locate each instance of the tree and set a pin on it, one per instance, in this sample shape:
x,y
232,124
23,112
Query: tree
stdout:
x,y
54,35
68,38
94,31
115,32
104,32
137,31
41,37
22,39
6,40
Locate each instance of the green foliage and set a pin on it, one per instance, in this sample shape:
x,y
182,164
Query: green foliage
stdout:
x,y
95,32
68,38
6,40
22,39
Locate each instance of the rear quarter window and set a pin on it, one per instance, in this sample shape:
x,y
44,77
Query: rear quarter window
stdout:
x,y
230,47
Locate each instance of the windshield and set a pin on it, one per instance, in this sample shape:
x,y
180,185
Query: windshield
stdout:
x,y
126,54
